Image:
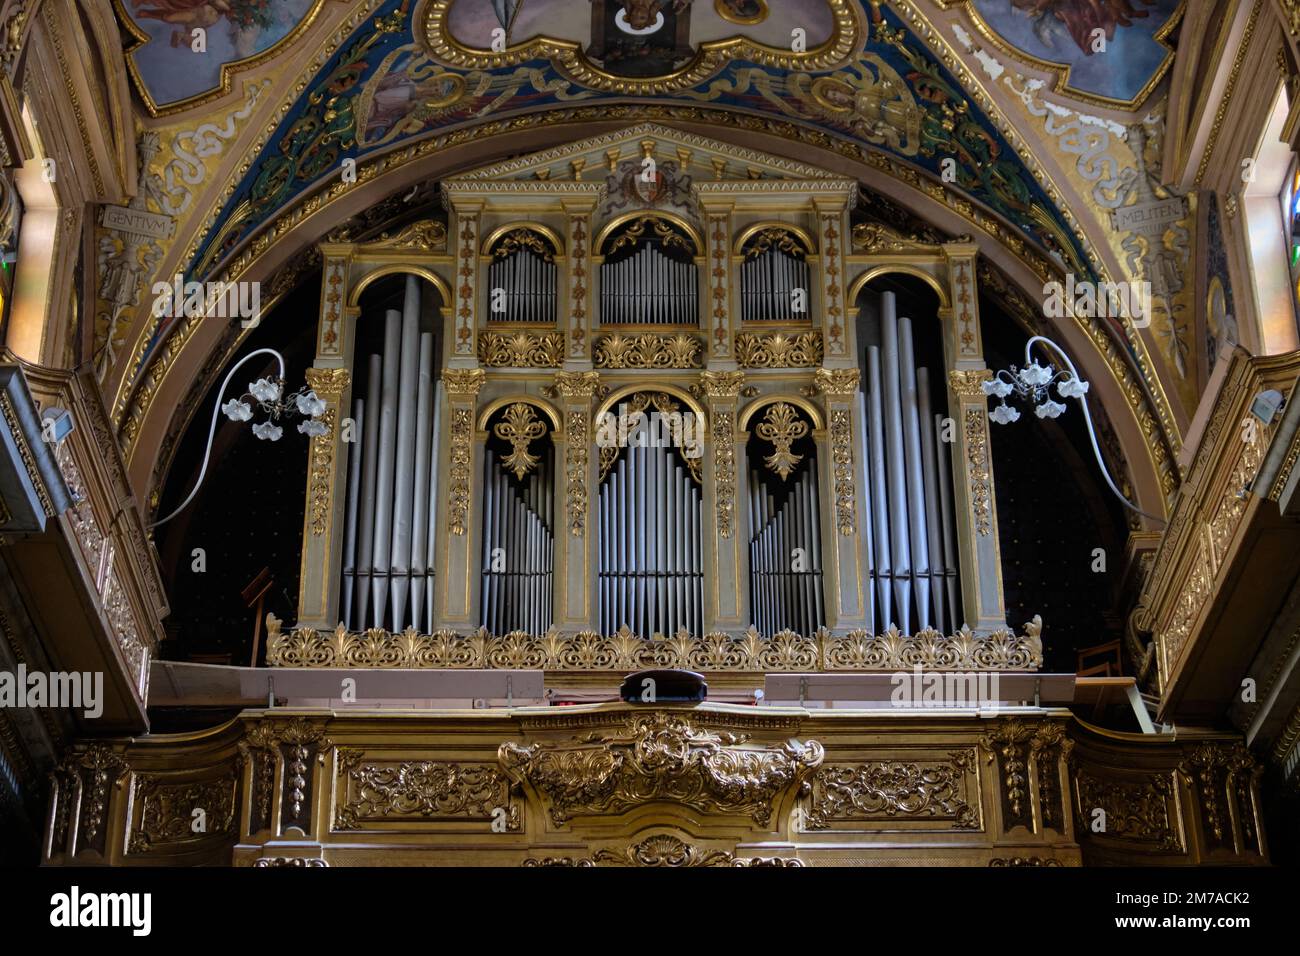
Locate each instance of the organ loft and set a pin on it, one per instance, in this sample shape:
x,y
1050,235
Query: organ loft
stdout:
x,y
629,433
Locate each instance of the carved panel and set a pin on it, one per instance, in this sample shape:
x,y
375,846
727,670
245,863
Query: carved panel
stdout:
x,y
386,793
649,351
893,793
661,756
521,349
172,814
779,350
1140,811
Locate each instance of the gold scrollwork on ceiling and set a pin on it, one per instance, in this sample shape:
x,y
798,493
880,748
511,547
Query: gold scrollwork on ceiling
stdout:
x,y
782,427
711,56
521,427
661,757
779,350
649,351
521,349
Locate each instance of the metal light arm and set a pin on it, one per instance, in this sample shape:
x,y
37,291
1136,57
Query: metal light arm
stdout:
x,y
1034,383
268,395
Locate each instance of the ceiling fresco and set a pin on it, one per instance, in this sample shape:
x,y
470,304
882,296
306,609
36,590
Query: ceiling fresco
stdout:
x,y
171,71
1062,33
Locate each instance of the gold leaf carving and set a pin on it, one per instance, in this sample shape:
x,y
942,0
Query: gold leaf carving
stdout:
x,y
649,351
782,426
521,428
661,756
521,349
779,350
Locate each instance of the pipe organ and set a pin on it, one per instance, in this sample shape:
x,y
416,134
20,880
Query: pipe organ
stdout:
x,y
518,518
392,483
522,278
775,282
650,551
910,544
783,460
649,276
785,527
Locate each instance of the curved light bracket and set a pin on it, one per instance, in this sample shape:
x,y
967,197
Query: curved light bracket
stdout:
x,y
1034,383
268,395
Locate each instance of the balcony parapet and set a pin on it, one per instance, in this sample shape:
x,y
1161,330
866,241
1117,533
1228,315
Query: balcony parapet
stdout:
x,y
624,651
94,571
1206,600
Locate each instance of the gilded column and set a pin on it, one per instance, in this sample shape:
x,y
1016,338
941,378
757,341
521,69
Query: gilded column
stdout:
x,y
833,233
576,532
459,462
726,554
962,343
840,453
972,481
333,335
578,309
716,281
318,589
465,227
318,586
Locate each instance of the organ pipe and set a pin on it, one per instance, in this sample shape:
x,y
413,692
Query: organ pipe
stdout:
x,y
785,594
768,280
518,546
651,572
423,501
648,287
370,464
930,469
392,481
915,477
900,551
523,282
911,540
353,501
383,527
407,438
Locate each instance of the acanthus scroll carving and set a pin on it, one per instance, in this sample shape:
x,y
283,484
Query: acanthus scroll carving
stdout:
x,y
661,756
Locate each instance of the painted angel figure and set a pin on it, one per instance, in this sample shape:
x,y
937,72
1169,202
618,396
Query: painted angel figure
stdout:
x,y
247,18
1080,18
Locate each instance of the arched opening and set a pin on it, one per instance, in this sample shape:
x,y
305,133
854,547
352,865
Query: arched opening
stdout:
x,y
651,563
910,532
518,521
649,274
785,533
390,517
235,552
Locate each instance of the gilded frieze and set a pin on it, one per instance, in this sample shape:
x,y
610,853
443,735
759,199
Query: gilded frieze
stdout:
x,y
661,756
521,349
649,351
625,651
779,350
